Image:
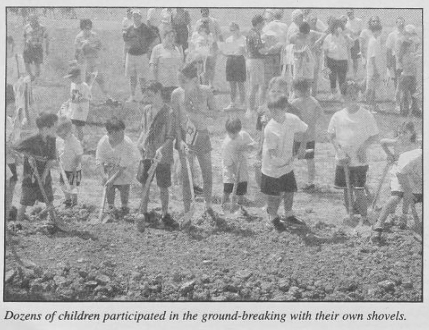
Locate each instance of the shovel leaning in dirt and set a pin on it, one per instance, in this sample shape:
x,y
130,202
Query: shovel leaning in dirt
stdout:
x,y
186,219
349,192
146,187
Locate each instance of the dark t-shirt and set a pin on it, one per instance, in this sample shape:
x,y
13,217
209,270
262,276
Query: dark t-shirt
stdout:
x,y
34,145
254,44
139,39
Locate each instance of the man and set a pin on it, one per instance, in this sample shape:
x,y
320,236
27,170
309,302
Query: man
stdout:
x,y
214,28
140,39
375,67
354,25
34,33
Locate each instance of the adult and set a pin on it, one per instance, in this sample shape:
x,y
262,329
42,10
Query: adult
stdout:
x,y
166,21
140,39
376,66
364,37
354,25
181,27
152,20
336,46
192,104
318,23
214,29
312,20
127,21
34,34
87,49
165,59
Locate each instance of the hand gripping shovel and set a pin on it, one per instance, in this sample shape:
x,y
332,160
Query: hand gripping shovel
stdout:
x,y
186,219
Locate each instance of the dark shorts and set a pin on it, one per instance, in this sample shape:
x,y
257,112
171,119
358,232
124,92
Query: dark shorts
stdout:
x,y
12,168
272,67
309,145
236,68
31,194
71,178
418,198
355,50
80,123
241,188
202,144
274,186
33,54
357,177
162,173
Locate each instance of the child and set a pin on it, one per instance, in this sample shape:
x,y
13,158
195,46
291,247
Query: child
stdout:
x,y
405,140
278,179
70,155
116,155
39,151
351,131
233,154
236,65
80,94
407,184
375,69
310,112
156,142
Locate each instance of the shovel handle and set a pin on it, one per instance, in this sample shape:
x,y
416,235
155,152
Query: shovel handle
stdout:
x,y
349,190
380,184
64,175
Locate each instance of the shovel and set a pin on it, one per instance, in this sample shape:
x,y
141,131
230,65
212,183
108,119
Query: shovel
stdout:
x,y
151,174
349,192
233,206
377,193
186,219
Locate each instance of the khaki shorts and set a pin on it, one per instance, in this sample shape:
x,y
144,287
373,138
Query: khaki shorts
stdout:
x,y
255,71
137,66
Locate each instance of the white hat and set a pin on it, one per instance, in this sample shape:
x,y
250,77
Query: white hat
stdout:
x,y
136,12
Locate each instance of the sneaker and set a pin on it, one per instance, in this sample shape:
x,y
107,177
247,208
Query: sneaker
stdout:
x,y
249,114
294,221
125,210
230,107
67,203
169,222
198,190
278,224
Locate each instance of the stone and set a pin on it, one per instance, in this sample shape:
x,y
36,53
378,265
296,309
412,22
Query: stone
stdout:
x,y
284,285
102,279
407,285
60,280
187,287
295,292
387,285
244,274
9,276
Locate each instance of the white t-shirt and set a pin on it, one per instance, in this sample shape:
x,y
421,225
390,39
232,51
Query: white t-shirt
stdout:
x,y
280,137
277,29
365,35
410,163
355,25
375,51
336,47
68,150
234,46
231,155
351,131
80,94
392,40
125,154
168,63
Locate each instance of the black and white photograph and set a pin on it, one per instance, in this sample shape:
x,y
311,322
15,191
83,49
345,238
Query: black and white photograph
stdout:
x,y
262,163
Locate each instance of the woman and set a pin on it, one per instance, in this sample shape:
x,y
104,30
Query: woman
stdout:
x,y
192,104
182,26
337,47
165,59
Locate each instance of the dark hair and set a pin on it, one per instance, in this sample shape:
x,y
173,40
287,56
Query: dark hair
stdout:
x,y
85,23
350,87
334,24
154,86
301,84
280,102
257,19
372,18
114,124
46,120
190,71
304,28
233,125
408,126
375,28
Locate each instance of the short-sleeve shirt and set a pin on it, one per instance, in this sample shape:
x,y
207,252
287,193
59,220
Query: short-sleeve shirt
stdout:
x,y
181,18
139,39
278,30
68,149
125,154
365,35
410,163
34,36
375,51
336,47
409,64
36,146
392,39
232,155
254,44
168,62
351,131
355,25
310,111
235,45
89,45
280,137
80,95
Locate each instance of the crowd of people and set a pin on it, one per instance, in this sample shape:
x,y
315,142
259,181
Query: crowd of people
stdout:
x,y
175,67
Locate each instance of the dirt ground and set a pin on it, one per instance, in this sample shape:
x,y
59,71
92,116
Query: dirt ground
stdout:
x,y
244,259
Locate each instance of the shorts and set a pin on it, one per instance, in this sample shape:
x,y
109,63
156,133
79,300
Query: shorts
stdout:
x,y
71,178
162,173
202,144
31,194
124,191
272,67
255,71
137,66
355,50
357,177
241,188
309,145
210,65
79,123
236,68
33,54
418,198
12,168
274,186
90,65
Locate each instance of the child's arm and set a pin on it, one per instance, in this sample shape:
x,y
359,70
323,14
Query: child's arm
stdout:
x,y
385,144
342,155
361,152
404,181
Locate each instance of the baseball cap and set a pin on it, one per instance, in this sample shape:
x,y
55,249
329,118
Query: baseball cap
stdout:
x,y
74,72
136,12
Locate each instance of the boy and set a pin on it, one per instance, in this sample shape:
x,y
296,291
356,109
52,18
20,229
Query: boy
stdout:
x,y
39,152
310,112
351,131
70,153
156,142
406,184
116,155
233,154
278,179
80,94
